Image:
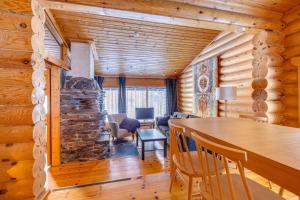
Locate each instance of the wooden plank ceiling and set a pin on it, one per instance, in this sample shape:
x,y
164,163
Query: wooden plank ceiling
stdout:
x,y
141,47
135,48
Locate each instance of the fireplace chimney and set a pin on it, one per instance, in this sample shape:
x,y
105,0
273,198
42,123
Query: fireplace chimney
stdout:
x,y
82,60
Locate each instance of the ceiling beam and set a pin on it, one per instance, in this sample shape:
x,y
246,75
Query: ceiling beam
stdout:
x,y
232,6
54,28
167,12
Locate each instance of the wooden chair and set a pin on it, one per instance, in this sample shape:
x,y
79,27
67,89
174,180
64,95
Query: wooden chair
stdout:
x,y
227,186
183,160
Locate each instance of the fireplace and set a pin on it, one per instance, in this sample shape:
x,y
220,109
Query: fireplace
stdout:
x,y
82,121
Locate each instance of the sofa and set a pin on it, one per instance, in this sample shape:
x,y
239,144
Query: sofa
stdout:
x,y
162,125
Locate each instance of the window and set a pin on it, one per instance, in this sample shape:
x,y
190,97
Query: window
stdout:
x,y
157,100
137,97
146,97
111,100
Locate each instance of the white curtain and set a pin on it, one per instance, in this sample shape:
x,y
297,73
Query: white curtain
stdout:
x,y
157,100
111,100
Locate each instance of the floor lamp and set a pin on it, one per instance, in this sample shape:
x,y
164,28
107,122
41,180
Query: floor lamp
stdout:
x,y
226,93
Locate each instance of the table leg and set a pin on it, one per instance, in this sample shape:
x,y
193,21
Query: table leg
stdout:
x,y
143,150
137,140
165,148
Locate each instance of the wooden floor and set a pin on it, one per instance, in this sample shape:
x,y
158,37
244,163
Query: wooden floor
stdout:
x,y
123,178
104,170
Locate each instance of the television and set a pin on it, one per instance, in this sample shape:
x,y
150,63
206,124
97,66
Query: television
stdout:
x,y
144,113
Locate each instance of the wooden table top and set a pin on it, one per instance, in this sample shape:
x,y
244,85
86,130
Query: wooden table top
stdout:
x,y
276,146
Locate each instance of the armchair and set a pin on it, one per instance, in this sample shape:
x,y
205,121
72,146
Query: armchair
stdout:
x,y
114,122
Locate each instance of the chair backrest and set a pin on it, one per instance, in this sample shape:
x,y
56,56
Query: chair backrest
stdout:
x,y
117,117
254,118
179,149
220,153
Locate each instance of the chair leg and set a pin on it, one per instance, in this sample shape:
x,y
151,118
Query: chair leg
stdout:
x,y
190,189
173,177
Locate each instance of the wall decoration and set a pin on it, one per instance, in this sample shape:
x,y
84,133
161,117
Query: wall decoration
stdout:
x,y
206,80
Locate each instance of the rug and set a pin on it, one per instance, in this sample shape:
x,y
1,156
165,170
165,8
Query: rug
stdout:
x,y
123,148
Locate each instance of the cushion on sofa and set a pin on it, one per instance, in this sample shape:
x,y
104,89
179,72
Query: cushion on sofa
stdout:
x,y
162,121
193,116
179,115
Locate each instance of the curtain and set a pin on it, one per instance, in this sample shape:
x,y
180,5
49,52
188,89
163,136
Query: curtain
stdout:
x,y
171,97
99,80
122,95
111,100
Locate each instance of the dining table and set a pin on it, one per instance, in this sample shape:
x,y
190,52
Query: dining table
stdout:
x,y
273,151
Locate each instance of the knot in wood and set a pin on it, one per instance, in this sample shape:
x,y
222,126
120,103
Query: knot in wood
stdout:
x,y
23,25
26,61
3,191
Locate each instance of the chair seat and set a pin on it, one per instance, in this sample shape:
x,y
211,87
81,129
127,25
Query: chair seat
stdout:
x,y
123,133
259,192
196,169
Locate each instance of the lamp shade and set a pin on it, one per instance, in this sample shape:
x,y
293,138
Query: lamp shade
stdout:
x,y
226,93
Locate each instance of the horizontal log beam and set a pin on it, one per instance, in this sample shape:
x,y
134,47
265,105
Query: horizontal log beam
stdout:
x,y
57,62
296,61
235,6
17,134
223,48
167,12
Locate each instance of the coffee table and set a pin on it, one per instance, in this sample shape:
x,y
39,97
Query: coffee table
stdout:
x,y
150,135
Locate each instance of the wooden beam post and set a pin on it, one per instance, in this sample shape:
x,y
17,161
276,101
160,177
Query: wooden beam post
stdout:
x,y
55,115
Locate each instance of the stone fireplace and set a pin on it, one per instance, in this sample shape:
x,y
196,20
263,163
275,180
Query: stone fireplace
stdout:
x,y
82,121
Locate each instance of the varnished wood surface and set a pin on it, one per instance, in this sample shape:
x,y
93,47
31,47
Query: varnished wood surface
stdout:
x,y
104,170
152,172
135,48
191,14
273,151
259,7
113,82
147,187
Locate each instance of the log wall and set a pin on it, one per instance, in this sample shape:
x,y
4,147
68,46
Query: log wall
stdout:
x,y
235,69
185,91
22,142
252,63
290,77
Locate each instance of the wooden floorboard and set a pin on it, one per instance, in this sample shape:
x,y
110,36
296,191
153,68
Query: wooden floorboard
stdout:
x,y
153,186
123,178
104,170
